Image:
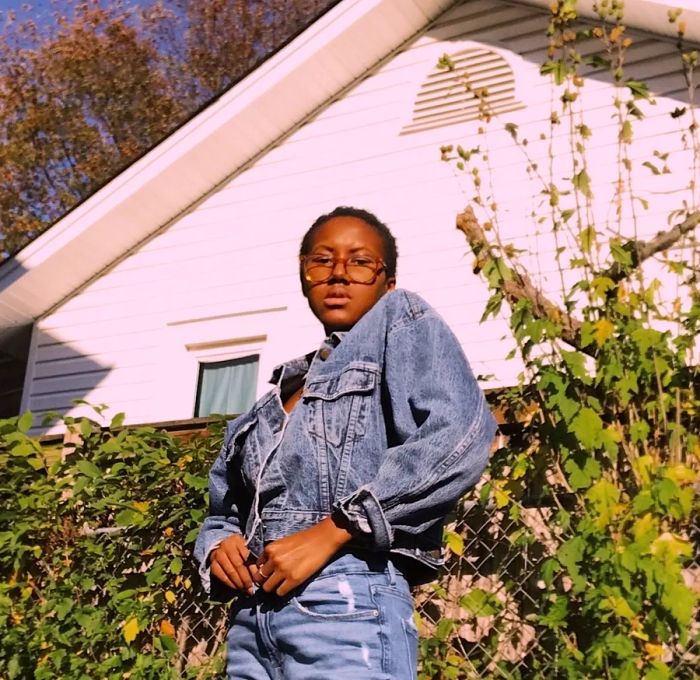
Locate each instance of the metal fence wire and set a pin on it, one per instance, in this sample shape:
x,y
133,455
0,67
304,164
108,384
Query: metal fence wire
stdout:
x,y
480,619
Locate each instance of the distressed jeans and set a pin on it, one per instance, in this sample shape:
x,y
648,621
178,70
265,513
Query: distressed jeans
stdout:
x,y
354,619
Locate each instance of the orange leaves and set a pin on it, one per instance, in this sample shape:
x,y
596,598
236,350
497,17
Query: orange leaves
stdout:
x,y
167,628
83,96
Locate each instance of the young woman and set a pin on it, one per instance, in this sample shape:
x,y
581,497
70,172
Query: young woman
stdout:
x,y
329,495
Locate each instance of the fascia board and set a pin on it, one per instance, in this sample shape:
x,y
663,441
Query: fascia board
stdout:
x,y
257,112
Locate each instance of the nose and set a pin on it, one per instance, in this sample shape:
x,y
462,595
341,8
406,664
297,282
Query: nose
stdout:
x,y
339,270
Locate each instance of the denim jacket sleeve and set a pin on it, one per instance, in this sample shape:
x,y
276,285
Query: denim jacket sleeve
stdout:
x,y
439,430
224,516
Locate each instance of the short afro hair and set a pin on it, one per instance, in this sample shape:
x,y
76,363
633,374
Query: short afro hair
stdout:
x,y
391,253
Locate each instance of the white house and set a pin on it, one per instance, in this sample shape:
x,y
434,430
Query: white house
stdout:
x,y
180,276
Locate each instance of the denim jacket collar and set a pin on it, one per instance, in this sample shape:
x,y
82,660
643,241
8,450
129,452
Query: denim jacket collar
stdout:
x,y
299,367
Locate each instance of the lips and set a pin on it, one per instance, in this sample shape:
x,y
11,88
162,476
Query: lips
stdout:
x,y
336,297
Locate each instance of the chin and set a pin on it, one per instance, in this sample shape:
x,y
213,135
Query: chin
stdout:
x,y
337,322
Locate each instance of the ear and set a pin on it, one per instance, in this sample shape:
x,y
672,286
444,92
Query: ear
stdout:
x,y
390,284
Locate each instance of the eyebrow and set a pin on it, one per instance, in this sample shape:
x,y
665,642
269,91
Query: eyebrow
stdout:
x,y
352,250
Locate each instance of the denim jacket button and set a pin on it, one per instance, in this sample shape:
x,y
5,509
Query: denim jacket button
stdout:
x,y
324,353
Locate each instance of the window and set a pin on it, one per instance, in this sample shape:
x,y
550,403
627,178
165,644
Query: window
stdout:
x,y
227,387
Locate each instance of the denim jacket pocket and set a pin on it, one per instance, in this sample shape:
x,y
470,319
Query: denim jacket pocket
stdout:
x,y
338,403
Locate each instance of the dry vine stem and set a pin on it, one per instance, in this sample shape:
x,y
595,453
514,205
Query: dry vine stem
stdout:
x,y
520,286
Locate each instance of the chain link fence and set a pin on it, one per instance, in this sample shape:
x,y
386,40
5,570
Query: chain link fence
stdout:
x,y
481,619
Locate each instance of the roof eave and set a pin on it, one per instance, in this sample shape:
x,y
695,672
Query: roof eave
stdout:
x,y
650,16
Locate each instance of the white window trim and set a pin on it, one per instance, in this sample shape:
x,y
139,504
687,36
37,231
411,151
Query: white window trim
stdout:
x,y
223,350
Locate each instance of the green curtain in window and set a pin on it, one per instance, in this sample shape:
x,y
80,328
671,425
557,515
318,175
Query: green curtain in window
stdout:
x,y
227,386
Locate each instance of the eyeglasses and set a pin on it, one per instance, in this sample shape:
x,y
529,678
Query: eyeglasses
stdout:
x,y
358,268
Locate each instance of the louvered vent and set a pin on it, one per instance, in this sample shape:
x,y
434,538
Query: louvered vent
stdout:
x,y
481,80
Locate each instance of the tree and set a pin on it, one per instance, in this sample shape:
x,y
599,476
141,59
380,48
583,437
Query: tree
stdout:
x,y
86,95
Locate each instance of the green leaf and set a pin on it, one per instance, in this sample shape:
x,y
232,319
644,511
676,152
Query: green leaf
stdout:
x,y
155,575
88,469
619,606
582,183
639,89
557,68
626,133
645,338
176,566
639,431
619,645
548,571
570,555
581,477
658,671
587,426
117,421
454,542
587,238
480,603
444,628
128,517
85,428
168,643
556,613
24,422
604,497
445,62
196,482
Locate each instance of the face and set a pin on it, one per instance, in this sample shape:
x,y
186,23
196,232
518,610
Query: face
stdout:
x,y
339,303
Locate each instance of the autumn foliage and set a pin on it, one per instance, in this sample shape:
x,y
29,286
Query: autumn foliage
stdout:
x,y
88,91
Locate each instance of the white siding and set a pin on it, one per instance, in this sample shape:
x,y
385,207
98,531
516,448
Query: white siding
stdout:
x,y
226,270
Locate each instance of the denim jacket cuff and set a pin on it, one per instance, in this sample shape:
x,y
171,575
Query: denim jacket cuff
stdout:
x,y
203,555
363,513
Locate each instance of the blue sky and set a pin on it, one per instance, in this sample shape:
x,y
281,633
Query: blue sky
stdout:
x,y
38,7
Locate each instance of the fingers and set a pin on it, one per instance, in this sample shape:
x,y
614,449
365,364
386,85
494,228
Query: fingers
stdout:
x,y
255,574
218,571
272,582
236,570
275,573
229,560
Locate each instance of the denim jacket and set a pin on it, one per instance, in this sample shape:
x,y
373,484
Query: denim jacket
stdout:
x,y
391,429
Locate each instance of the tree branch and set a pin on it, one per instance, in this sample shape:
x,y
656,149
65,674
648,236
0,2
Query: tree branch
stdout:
x,y
518,285
643,250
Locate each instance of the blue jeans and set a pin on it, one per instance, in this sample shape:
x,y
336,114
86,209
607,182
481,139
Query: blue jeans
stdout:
x,y
354,619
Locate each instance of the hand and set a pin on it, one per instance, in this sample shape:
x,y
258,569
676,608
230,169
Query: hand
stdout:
x,y
228,564
289,561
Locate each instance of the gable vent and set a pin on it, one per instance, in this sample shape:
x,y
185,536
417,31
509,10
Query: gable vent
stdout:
x,y
447,97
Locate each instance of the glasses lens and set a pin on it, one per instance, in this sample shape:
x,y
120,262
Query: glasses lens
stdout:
x,y
362,269
318,267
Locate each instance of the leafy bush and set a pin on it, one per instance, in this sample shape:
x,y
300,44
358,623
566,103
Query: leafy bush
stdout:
x,y
95,550
587,527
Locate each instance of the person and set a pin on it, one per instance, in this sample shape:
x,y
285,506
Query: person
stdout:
x,y
328,499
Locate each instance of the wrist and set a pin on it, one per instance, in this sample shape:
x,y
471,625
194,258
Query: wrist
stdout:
x,y
337,534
